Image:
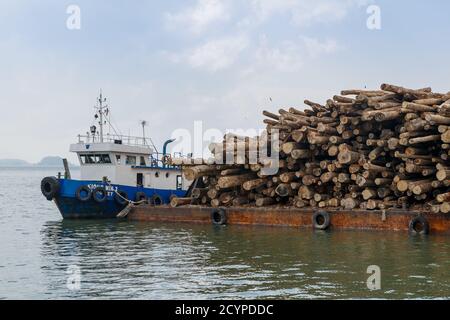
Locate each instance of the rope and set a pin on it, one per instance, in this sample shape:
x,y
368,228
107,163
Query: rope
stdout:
x,y
130,204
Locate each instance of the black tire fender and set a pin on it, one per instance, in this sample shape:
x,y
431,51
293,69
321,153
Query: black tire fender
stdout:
x,y
79,193
99,194
321,220
419,225
140,196
219,217
121,197
156,200
50,187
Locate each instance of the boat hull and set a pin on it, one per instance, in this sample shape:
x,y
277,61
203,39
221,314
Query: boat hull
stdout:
x,y
393,219
71,207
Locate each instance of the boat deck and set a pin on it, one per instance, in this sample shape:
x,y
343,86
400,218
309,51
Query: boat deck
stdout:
x,y
393,219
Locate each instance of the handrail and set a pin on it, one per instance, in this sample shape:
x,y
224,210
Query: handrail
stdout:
x,y
117,139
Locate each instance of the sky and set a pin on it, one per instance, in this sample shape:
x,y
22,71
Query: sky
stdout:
x,y
221,62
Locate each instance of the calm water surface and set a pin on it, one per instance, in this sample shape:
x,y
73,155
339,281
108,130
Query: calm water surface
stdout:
x,y
119,259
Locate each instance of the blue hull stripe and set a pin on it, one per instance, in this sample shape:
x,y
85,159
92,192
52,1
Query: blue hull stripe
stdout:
x,y
71,208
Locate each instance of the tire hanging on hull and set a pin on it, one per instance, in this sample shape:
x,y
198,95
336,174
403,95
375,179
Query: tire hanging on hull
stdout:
x,y
50,187
83,193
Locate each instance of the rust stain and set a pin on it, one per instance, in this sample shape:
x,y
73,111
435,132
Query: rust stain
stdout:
x,y
274,216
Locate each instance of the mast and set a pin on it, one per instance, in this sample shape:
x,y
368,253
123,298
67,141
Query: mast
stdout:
x,y
100,111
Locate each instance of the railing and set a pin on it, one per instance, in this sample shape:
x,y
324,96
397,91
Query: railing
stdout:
x,y
116,139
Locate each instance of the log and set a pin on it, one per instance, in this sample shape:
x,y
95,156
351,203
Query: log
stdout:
x,y
348,157
234,181
197,193
424,139
176,202
300,154
264,201
442,175
254,184
284,190
192,173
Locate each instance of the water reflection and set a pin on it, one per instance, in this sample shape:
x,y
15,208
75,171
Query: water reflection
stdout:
x,y
139,260
150,260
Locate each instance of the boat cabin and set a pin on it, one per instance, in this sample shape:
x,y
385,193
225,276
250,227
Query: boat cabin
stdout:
x,y
125,162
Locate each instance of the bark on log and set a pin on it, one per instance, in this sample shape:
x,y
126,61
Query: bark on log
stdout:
x,y
176,202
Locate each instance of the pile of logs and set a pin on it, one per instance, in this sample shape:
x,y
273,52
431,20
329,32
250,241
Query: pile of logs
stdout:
x,y
361,149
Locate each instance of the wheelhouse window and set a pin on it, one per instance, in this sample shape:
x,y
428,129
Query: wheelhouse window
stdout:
x,y
95,159
142,161
104,158
118,158
131,160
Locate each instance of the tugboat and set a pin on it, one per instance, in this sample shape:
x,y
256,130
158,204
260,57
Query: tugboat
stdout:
x,y
115,170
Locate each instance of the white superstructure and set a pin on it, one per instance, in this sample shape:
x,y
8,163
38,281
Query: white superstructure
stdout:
x,y
124,160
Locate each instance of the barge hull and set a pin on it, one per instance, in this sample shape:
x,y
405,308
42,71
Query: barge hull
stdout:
x,y
396,220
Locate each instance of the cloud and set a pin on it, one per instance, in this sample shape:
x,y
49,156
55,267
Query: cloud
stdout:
x,y
264,9
196,19
213,55
288,56
323,11
315,47
305,12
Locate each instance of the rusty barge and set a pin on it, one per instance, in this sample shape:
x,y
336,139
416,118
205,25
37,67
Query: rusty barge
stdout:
x,y
413,221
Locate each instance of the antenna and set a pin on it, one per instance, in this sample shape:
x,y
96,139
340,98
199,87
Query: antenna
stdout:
x,y
101,112
143,124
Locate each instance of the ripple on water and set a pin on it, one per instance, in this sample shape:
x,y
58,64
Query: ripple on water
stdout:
x,y
125,260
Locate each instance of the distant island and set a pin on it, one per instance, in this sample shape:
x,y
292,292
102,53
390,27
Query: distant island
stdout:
x,y
50,161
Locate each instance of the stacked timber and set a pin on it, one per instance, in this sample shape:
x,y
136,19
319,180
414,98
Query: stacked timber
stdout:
x,y
368,149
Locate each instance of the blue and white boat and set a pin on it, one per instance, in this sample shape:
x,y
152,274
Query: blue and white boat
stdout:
x,y
114,170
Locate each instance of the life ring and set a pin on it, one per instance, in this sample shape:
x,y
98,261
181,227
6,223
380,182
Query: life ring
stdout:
x,y
83,193
156,200
50,187
219,217
99,194
321,220
140,196
419,225
121,197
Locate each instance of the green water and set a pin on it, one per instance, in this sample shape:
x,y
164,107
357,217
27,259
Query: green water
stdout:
x,y
166,261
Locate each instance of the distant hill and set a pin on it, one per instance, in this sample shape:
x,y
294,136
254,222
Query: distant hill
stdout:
x,y
14,163
50,161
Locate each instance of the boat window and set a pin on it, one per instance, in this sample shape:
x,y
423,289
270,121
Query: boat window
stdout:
x,y
167,174
87,159
131,160
142,161
179,182
104,158
90,159
118,158
157,174
95,158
